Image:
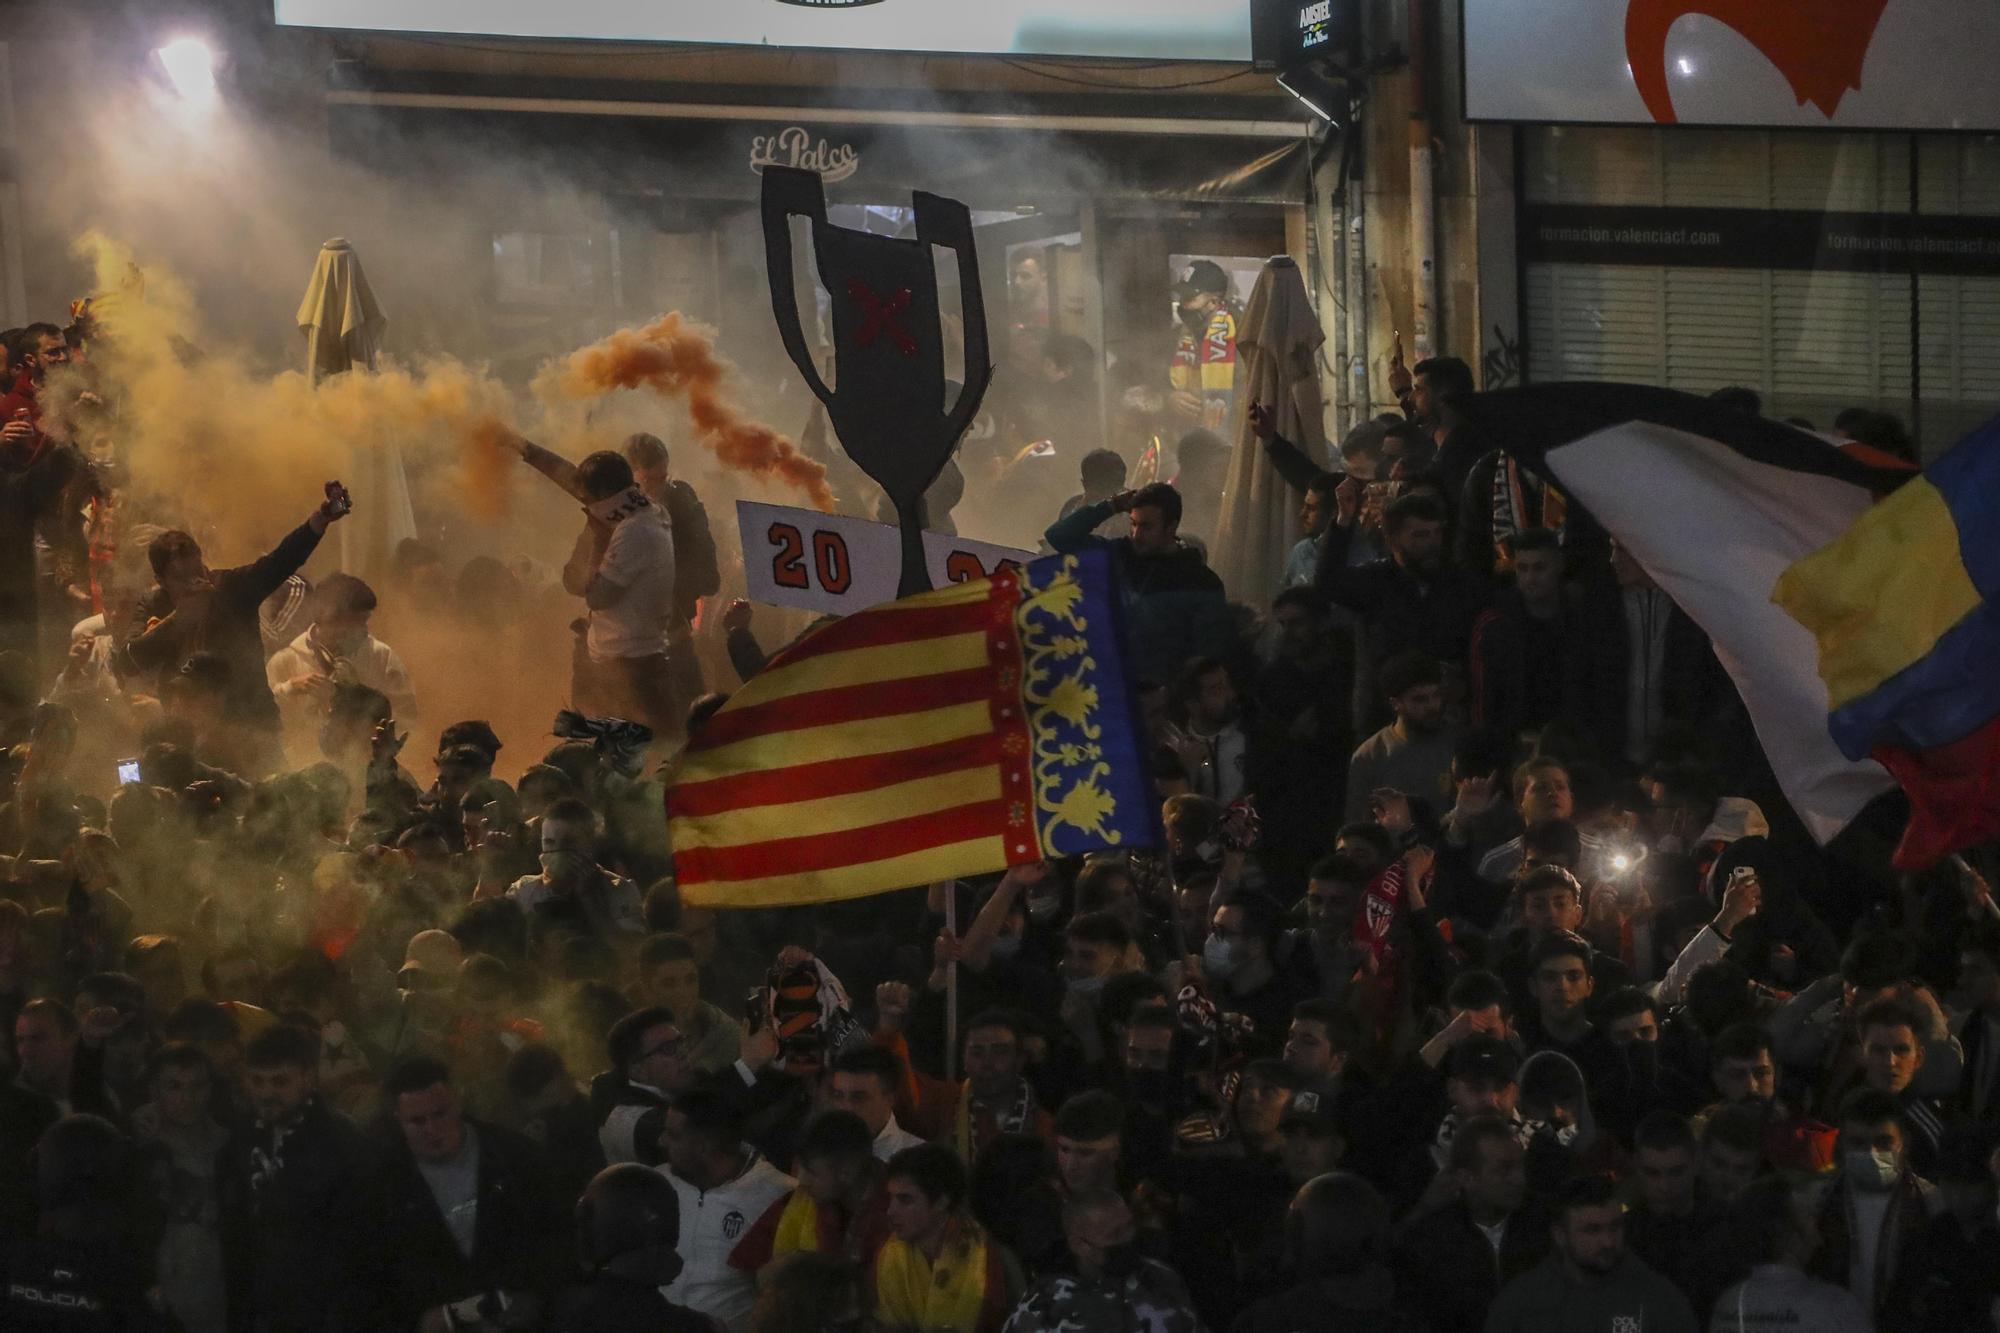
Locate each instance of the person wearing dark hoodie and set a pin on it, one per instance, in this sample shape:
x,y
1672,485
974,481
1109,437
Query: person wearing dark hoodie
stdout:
x,y
1175,605
1590,1281
1337,1244
1528,662
1410,599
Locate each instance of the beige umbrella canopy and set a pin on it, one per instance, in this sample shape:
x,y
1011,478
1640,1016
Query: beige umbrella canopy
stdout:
x,y
343,328
1278,348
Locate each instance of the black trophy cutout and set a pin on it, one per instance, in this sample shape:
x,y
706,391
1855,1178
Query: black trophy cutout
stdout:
x,y
888,343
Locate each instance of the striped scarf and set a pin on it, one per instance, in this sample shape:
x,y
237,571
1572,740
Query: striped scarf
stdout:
x,y
1521,502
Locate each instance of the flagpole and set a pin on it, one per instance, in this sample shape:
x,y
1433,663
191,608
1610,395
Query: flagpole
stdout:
x,y
951,986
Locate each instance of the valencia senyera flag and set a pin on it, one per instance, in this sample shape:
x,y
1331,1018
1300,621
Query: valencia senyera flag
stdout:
x,y
958,732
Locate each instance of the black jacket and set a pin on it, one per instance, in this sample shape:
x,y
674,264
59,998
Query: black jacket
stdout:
x,y
1365,1302
25,495
1400,611
1953,1281
1175,606
230,630
302,1228
1514,687
520,1235
1452,1274
610,1304
1898,1252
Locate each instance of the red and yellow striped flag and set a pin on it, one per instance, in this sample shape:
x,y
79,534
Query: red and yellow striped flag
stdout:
x,y
953,733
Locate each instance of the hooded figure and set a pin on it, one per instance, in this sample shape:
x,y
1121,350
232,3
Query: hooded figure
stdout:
x,y
628,1225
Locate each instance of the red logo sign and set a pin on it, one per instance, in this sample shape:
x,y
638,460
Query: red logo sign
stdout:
x,y
1818,45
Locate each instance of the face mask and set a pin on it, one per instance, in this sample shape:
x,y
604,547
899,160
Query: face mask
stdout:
x,y
1870,1170
1219,957
1120,1261
1643,1058
1087,985
1195,320
1150,1085
1006,946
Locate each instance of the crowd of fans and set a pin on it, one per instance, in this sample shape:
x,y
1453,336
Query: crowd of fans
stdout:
x,y
1483,982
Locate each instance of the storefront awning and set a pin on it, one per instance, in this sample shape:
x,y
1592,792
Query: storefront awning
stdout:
x,y
705,151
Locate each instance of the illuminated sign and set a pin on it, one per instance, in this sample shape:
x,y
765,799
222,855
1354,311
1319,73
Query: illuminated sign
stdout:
x,y
1309,31
1127,29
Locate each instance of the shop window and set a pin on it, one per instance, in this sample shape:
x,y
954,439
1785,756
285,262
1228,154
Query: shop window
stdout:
x,y
1812,340
552,268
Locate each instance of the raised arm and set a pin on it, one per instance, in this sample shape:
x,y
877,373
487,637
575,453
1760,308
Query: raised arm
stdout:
x,y
1077,530
1293,465
551,465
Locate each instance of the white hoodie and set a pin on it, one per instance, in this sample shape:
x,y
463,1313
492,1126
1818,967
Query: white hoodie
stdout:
x,y
711,1224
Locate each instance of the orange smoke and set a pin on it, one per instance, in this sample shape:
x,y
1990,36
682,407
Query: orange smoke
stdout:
x,y
486,466
676,359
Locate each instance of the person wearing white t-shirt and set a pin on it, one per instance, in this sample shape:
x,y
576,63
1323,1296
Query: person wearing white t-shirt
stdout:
x,y
623,568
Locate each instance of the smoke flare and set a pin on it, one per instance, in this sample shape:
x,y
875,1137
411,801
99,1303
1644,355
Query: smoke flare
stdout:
x,y
676,358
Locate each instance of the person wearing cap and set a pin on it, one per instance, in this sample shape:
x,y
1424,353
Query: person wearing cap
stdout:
x,y
1203,373
1314,1140
424,999
1454,1259
336,647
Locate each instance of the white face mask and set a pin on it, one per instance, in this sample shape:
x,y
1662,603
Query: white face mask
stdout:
x,y
1220,957
1871,1170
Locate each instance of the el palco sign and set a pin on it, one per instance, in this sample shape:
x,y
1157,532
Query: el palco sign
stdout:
x,y
796,147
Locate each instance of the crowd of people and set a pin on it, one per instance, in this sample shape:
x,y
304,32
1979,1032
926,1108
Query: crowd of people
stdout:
x,y
1483,981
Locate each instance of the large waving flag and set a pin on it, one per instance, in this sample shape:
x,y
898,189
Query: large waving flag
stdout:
x,y
1716,506
1906,609
953,733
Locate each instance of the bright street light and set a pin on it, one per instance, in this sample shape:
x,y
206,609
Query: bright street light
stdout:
x,y
191,66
